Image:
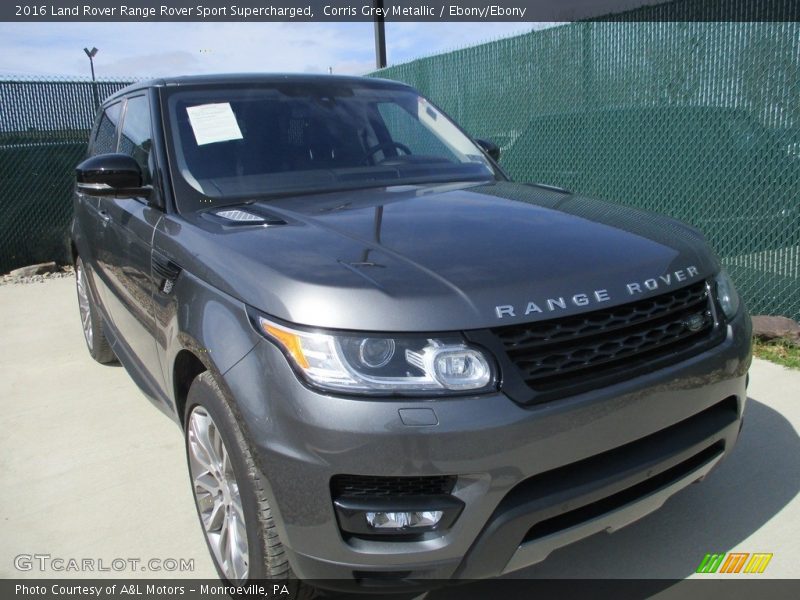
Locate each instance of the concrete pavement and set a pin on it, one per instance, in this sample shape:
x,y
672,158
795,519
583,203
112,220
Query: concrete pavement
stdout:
x,y
90,470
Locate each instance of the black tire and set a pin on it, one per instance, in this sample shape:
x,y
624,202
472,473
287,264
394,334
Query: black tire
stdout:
x,y
267,559
95,339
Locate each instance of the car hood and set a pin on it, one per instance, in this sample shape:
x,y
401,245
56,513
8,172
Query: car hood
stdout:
x,y
439,257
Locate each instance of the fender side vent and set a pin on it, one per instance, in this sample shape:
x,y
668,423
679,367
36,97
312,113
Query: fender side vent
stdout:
x,y
166,270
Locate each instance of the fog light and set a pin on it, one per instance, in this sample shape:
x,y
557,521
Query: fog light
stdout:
x,y
401,516
404,520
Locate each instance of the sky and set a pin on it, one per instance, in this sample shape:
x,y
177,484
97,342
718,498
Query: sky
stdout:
x,y
157,49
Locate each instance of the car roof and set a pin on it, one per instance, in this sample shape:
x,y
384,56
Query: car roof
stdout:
x,y
260,78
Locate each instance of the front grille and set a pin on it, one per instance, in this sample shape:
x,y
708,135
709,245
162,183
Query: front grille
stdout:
x,y
567,352
365,486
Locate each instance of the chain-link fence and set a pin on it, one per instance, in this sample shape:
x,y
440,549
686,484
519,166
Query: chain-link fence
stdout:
x,y
697,120
700,121
44,128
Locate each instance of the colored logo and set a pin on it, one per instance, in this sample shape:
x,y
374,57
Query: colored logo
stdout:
x,y
734,562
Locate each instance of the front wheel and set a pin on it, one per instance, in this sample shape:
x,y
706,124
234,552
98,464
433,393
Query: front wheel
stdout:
x,y
228,490
91,321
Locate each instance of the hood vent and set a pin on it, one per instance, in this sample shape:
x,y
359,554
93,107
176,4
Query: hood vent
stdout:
x,y
240,216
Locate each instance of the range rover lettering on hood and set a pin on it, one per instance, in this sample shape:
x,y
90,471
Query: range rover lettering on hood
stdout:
x,y
634,288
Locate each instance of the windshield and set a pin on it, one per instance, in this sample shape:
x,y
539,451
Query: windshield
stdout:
x,y
233,144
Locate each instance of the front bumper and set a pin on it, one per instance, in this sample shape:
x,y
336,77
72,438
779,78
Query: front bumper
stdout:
x,y
531,479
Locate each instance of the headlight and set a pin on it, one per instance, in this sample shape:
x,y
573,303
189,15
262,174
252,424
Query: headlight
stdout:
x,y
370,364
727,296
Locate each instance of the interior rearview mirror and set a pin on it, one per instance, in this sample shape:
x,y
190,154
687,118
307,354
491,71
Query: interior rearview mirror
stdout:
x,y
490,148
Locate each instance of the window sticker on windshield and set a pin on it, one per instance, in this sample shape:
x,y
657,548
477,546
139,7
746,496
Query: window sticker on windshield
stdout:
x,y
213,123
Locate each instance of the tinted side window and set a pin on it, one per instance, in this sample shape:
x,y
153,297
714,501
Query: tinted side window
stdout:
x,y
105,139
136,138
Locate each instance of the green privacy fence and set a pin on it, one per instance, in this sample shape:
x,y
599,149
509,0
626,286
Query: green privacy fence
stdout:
x,y
700,121
44,127
697,120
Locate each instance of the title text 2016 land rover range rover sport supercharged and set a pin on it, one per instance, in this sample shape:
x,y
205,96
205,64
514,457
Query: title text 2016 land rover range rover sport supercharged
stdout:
x,y
388,360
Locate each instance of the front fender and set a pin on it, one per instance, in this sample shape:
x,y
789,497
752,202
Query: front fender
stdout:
x,y
199,318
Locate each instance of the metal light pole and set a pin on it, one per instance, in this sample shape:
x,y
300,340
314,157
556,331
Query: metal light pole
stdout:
x,y
380,35
91,54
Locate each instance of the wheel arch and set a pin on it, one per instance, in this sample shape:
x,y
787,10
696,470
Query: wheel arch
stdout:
x,y
186,367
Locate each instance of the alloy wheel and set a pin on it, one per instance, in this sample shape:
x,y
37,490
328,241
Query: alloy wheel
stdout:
x,y
83,305
216,492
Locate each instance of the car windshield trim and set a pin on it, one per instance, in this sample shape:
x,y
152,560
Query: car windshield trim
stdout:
x,y
244,199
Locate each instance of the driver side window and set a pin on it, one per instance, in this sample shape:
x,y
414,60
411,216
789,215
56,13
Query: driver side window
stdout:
x,y
105,137
135,138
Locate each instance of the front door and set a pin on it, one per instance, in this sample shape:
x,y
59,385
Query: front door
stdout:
x,y
128,241
87,207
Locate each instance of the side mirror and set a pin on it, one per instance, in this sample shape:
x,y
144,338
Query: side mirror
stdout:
x,y
490,148
111,175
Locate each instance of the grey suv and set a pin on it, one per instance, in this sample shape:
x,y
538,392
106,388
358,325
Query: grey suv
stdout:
x,y
390,362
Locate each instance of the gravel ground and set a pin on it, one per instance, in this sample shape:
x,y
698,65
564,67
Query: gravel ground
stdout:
x,y
63,272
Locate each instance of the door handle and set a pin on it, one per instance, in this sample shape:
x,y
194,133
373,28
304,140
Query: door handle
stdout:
x,y
104,216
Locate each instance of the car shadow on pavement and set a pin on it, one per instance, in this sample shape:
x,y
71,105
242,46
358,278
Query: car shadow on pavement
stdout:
x,y
753,484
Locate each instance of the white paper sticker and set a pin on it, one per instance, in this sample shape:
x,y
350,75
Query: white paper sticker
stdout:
x,y
213,123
